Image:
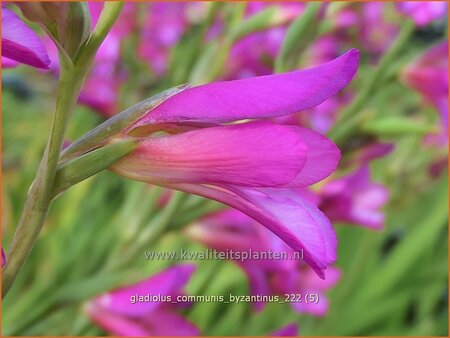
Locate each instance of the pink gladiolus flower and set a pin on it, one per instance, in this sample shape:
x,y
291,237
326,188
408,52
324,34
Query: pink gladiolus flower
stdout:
x,y
232,230
290,330
354,199
371,152
423,12
20,43
254,166
428,74
118,314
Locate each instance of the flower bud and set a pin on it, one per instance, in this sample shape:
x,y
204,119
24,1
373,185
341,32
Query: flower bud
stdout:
x,y
68,22
74,26
45,13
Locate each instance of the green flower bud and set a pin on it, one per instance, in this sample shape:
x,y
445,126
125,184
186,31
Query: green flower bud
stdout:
x,y
74,26
69,23
45,13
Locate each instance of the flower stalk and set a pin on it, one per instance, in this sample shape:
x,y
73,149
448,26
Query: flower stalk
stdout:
x,y
38,201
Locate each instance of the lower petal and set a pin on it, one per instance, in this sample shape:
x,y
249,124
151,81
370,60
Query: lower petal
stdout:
x,y
299,223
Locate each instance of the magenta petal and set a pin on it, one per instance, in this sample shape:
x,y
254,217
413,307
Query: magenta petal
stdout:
x,y
8,63
250,154
227,230
3,258
311,282
290,330
355,199
319,309
20,43
114,323
299,223
322,158
257,97
258,282
168,282
165,323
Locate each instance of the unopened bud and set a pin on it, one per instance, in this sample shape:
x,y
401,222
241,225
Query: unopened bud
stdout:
x,y
74,26
45,13
68,22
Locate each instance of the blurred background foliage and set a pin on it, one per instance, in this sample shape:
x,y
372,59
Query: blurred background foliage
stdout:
x,y
394,282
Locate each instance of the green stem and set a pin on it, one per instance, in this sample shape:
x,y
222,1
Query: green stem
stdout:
x,y
349,118
108,17
39,197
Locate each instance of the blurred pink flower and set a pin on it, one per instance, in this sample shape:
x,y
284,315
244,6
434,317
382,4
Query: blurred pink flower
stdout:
x,y
423,12
354,199
367,24
20,43
364,154
118,315
255,53
376,33
254,166
124,25
290,330
101,89
232,230
3,258
164,25
428,74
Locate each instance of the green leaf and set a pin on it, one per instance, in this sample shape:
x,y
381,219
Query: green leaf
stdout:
x,y
393,126
419,239
300,33
262,20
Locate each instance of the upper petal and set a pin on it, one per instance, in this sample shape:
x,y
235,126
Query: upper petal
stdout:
x,y
250,154
20,43
257,97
